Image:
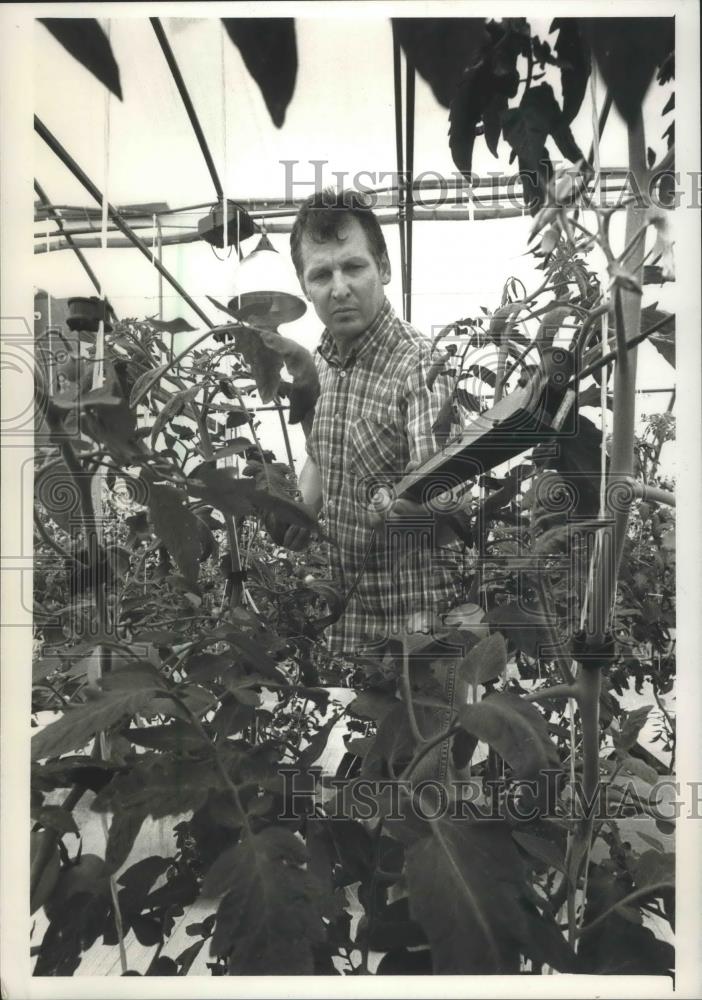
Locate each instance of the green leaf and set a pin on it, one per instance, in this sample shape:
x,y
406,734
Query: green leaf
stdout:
x,y
270,920
484,374
240,496
84,39
122,835
171,409
147,380
159,785
476,98
237,446
464,883
652,867
577,459
652,842
637,768
178,736
275,843
177,325
574,59
269,50
393,929
394,744
55,818
524,628
500,326
486,661
177,527
542,849
77,725
628,50
617,946
45,881
372,705
526,129
631,727
440,48
515,729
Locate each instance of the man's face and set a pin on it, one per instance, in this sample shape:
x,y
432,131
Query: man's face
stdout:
x,y
343,280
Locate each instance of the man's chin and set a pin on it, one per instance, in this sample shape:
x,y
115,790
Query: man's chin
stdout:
x,y
347,324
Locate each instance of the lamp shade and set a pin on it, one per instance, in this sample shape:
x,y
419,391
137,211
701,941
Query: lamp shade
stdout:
x,y
265,288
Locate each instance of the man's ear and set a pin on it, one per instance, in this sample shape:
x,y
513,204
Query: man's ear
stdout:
x,y
302,286
385,273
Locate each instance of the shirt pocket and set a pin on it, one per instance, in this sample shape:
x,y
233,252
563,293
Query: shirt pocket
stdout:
x,y
378,452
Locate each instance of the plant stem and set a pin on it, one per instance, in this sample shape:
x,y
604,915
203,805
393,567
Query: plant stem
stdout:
x,y
555,691
605,570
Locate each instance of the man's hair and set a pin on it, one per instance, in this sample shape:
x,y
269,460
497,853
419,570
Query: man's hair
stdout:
x,y
322,215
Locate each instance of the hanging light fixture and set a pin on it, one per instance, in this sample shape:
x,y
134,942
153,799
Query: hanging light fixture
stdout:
x,y
265,289
239,226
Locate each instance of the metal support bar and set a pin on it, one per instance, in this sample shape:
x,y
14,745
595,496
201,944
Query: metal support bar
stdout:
x,y
95,193
409,160
285,226
189,107
397,71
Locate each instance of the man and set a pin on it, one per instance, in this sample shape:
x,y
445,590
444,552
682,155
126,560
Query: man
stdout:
x,y
373,421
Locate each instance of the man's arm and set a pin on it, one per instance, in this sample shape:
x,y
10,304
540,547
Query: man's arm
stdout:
x,y
310,483
294,536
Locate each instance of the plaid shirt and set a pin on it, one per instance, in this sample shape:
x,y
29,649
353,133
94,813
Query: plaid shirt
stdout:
x,y
374,415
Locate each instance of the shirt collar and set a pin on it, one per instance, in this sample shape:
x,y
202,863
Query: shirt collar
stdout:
x,y
375,333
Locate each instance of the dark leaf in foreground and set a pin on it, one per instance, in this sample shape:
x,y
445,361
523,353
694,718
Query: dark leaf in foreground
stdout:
x,y
617,946
76,726
464,882
269,49
177,325
628,51
574,58
269,920
177,527
515,729
84,39
441,49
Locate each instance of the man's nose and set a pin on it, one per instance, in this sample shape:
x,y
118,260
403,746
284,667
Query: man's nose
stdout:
x,y
340,288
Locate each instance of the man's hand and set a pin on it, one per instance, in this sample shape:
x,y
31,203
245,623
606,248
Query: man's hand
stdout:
x,y
291,536
447,527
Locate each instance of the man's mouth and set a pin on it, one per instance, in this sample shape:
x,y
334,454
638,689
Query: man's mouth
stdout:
x,y
343,311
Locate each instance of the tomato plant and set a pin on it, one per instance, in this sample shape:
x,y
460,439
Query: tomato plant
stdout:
x,y
182,648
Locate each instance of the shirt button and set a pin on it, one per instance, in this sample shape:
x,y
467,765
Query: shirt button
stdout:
x,y
337,415
342,373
